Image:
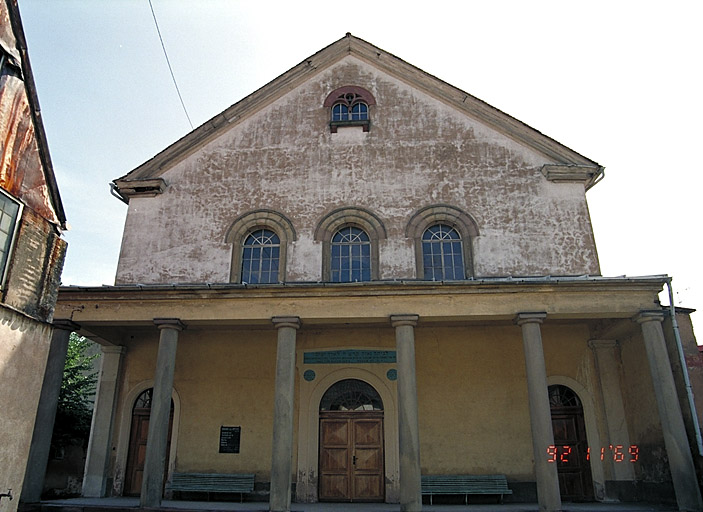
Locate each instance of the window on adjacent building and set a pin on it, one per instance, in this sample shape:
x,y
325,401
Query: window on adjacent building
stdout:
x,y
9,215
260,257
351,256
442,257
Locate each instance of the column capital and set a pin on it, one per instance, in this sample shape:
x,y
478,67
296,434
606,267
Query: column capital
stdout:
x,y
65,324
530,318
113,349
406,319
603,344
169,323
649,316
286,321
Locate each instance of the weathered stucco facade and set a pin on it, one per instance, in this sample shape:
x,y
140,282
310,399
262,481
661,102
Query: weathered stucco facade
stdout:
x,y
284,158
509,354
31,257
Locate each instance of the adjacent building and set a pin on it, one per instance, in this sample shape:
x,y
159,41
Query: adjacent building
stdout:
x,y
31,258
360,274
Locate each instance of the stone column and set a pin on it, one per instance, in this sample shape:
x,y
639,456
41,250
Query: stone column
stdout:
x,y
540,414
157,437
683,472
46,413
99,446
408,429
282,455
608,365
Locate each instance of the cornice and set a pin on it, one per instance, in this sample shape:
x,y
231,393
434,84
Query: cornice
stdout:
x,y
563,173
141,188
375,288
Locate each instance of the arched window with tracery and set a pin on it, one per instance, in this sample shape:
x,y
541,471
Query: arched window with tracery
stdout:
x,y
260,257
350,238
442,255
259,242
443,237
351,256
349,107
562,396
351,395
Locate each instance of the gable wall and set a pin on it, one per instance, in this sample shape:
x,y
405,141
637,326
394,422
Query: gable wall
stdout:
x,y
418,152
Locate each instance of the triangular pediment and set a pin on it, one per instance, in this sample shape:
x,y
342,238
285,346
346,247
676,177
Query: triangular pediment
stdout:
x,y
564,163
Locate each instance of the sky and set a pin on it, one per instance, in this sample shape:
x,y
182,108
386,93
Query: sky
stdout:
x,y
618,81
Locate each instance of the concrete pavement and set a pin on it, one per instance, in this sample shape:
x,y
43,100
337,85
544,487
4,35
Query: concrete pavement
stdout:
x,y
117,503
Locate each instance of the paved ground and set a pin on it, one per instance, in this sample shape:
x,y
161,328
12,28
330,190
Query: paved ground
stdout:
x,y
86,504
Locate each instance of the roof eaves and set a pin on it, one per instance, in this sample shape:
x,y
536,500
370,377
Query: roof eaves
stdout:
x,y
244,108
466,102
33,98
387,62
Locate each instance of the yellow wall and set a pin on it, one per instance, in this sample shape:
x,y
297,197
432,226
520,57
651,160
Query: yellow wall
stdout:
x,y
226,378
472,395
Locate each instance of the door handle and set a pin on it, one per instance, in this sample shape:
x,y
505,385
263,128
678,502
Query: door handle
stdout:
x,y
354,460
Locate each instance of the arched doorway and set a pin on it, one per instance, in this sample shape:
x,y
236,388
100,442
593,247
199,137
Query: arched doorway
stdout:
x,y
138,433
351,443
571,453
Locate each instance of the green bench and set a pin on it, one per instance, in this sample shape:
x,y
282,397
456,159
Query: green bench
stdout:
x,y
465,484
212,482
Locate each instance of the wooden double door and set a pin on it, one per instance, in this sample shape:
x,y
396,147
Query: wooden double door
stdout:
x,y
351,456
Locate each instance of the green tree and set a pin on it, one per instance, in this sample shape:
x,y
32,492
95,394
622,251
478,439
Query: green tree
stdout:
x,y
75,406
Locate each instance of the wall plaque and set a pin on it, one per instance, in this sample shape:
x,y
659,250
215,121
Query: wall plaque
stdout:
x,y
349,357
229,439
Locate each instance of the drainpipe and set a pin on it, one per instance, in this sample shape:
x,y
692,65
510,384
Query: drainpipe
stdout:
x,y
684,370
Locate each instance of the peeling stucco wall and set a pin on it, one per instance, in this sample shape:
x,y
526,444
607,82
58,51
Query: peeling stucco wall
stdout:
x,y
24,347
29,290
34,275
418,152
21,170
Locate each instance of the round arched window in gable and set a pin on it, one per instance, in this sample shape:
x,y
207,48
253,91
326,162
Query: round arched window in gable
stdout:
x,y
349,107
351,395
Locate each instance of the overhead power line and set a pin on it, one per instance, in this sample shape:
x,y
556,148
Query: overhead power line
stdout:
x,y
169,65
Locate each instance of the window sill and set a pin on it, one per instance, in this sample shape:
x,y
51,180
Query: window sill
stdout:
x,y
336,124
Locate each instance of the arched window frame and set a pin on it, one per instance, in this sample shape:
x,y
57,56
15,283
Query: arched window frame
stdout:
x,y
444,241
355,217
347,98
349,240
351,392
263,246
249,222
448,215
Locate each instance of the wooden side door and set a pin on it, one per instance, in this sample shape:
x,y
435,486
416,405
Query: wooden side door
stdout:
x,y
573,467
351,457
136,456
137,452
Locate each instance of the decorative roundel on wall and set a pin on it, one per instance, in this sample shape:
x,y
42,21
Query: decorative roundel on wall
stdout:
x,y
392,374
309,375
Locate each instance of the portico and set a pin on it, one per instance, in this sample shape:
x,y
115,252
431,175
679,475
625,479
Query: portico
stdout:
x,y
235,335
